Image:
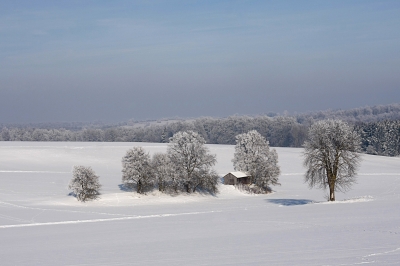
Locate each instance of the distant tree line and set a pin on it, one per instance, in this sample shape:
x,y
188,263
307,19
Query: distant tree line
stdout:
x,y
281,131
363,114
378,126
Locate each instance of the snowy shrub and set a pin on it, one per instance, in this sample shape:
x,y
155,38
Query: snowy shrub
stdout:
x,y
252,189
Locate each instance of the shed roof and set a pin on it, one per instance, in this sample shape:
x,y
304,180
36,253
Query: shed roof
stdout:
x,y
239,174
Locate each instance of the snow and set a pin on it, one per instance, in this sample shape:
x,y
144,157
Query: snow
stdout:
x,y
41,225
239,174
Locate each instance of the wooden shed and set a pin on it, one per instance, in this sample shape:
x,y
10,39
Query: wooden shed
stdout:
x,y
234,178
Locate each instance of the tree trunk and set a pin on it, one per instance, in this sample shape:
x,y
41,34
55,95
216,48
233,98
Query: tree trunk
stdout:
x,y
331,182
161,185
331,192
139,187
194,188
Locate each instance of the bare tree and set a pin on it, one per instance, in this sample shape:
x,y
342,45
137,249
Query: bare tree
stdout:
x,y
331,156
253,156
136,170
84,183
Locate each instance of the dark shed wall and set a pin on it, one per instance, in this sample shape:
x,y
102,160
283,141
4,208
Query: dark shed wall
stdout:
x,y
230,179
244,180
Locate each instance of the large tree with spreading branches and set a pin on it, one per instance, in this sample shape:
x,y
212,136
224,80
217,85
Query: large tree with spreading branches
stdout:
x,y
331,156
192,161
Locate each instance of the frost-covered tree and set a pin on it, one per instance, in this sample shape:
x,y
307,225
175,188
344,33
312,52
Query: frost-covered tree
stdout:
x,y
331,156
5,134
253,156
91,134
136,169
164,135
164,172
382,138
192,160
84,183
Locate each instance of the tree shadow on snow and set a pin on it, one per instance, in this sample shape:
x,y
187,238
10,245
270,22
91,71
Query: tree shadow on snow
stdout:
x,y
126,188
132,188
290,202
205,192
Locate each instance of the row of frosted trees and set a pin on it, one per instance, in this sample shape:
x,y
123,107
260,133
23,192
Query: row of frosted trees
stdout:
x,y
185,167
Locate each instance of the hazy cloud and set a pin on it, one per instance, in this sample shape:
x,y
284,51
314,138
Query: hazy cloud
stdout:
x,y
113,61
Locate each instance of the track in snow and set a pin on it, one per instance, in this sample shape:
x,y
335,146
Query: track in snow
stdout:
x,y
103,220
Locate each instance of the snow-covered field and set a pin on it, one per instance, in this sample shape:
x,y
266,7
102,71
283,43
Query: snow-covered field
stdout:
x,y
41,225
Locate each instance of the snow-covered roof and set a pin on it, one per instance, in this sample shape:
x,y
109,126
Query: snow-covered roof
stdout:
x,y
239,174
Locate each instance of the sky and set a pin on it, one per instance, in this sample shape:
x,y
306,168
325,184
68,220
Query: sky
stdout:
x,y
110,61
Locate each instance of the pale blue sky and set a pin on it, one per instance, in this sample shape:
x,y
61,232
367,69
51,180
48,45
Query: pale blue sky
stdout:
x,y
117,60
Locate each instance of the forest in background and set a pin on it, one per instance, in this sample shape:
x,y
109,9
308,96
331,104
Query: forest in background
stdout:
x,y
379,127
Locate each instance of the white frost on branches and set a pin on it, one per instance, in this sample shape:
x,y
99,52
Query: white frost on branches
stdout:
x,y
136,169
331,156
164,172
192,161
253,156
84,183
